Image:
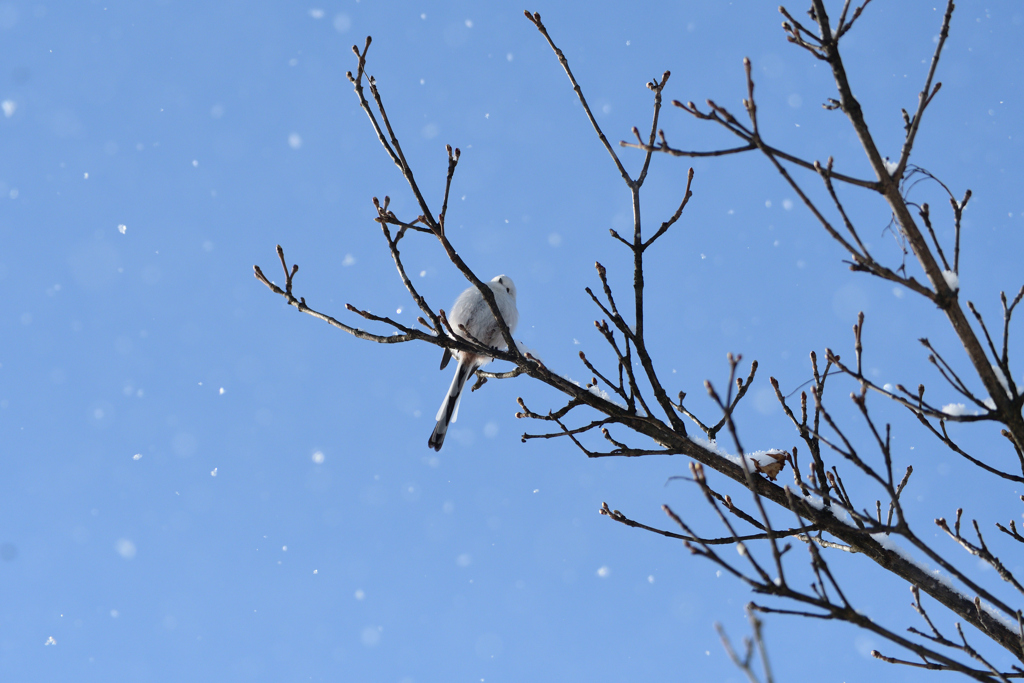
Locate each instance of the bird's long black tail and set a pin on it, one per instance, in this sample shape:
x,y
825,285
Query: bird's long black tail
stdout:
x,y
450,405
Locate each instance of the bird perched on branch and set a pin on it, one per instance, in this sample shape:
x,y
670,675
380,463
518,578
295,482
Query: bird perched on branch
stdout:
x,y
471,318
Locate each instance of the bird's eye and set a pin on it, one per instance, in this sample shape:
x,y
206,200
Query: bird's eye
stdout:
x,y
508,290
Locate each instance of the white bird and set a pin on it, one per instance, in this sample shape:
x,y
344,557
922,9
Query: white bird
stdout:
x,y
472,313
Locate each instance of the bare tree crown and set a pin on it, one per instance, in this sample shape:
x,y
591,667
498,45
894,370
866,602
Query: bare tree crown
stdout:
x,y
831,504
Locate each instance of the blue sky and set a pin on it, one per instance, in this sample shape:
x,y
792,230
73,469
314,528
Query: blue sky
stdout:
x,y
198,483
